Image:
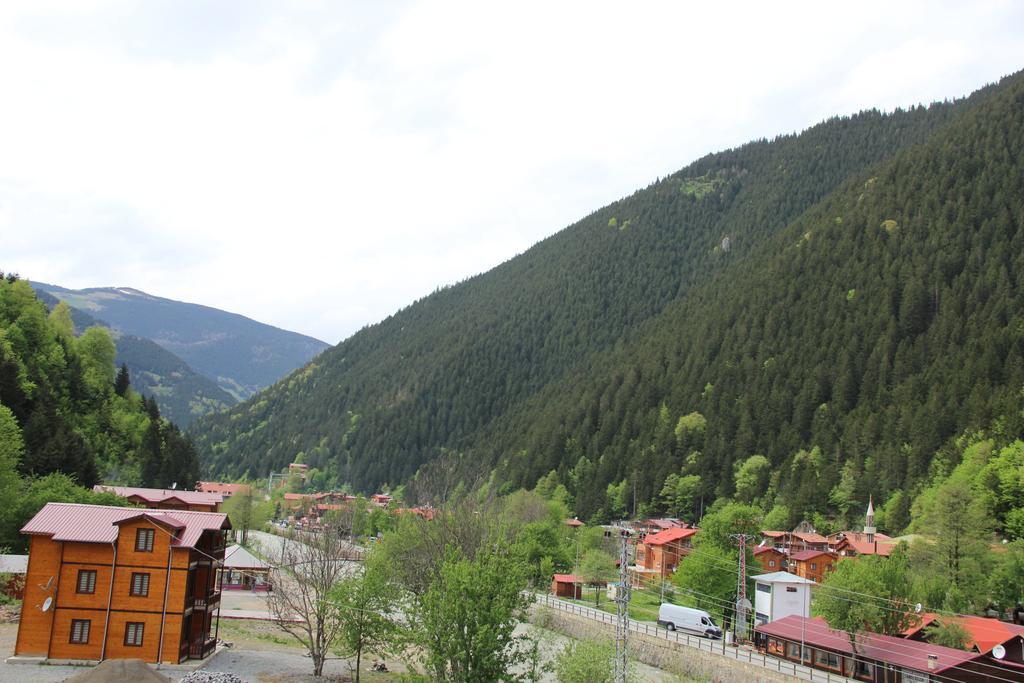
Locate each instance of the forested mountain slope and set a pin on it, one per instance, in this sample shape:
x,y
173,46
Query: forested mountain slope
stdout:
x,y
501,363
241,355
183,393
866,336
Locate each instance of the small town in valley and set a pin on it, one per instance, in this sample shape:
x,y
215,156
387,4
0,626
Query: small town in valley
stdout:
x,y
528,342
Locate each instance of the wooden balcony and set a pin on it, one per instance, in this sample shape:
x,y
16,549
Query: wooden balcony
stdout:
x,y
208,602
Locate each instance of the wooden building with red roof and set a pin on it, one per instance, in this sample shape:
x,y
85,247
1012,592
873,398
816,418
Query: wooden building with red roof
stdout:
x,y
879,659
812,564
658,555
166,499
771,559
114,583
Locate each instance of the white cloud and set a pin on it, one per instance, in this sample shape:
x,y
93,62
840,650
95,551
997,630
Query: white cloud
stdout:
x,y
318,168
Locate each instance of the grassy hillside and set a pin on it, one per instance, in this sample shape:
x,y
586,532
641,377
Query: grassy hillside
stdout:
x,y
551,356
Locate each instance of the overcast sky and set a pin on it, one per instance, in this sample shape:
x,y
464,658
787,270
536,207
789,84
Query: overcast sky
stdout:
x,y
317,166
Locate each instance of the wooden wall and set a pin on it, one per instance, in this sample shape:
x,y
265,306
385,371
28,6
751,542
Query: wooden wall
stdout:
x,y
49,634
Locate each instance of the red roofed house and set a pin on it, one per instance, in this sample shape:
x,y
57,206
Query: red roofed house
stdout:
x,y
658,555
812,564
771,559
567,586
116,583
985,634
775,539
380,499
880,659
166,499
225,490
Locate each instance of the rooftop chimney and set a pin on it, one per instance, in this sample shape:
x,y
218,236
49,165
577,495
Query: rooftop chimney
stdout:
x,y
933,662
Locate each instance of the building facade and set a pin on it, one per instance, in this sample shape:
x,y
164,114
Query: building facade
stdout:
x,y
113,583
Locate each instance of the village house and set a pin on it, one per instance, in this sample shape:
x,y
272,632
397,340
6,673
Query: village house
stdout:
x,y
771,559
774,539
166,499
114,583
658,555
381,500
812,564
224,489
879,659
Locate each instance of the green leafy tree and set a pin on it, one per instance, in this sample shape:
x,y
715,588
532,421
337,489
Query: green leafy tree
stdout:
x,y
959,531
1006,582
471,638
596,569
718,528
751,478
366,604
842,598
679,493
584,661
706,579
97,352
948,633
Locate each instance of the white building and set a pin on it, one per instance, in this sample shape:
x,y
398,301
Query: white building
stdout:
x,y
779,595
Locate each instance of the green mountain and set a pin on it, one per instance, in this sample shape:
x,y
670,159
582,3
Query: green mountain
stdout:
x,y
65,421
183,394
842,301
240,355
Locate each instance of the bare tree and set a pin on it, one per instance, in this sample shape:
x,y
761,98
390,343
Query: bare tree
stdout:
x,y
310,565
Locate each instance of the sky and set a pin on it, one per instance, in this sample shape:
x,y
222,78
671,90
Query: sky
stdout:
x,y
319,165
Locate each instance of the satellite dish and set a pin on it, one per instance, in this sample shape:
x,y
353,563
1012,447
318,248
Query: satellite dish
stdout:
x,y
999,652
174,486
46,604
917,608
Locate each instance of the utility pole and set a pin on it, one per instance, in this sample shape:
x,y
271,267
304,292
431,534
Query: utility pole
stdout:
x,y
741,590
622,592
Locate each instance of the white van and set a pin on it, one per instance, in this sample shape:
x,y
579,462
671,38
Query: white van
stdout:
x,y
697,621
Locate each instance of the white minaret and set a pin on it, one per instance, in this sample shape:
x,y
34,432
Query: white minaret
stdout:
x,y
869,522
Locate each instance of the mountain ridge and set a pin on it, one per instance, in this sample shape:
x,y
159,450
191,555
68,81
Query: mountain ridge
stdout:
x,y
239,354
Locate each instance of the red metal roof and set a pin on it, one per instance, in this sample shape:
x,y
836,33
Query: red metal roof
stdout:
x,y
98,523
879,547
816,633
567,578
810,538
766,548
774,534
156,496
805,555
669,536
985,633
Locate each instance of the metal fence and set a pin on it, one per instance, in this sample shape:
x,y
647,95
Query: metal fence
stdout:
x,y
716,647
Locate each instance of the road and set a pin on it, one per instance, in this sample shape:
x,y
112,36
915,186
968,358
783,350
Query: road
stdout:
x,y
716,647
